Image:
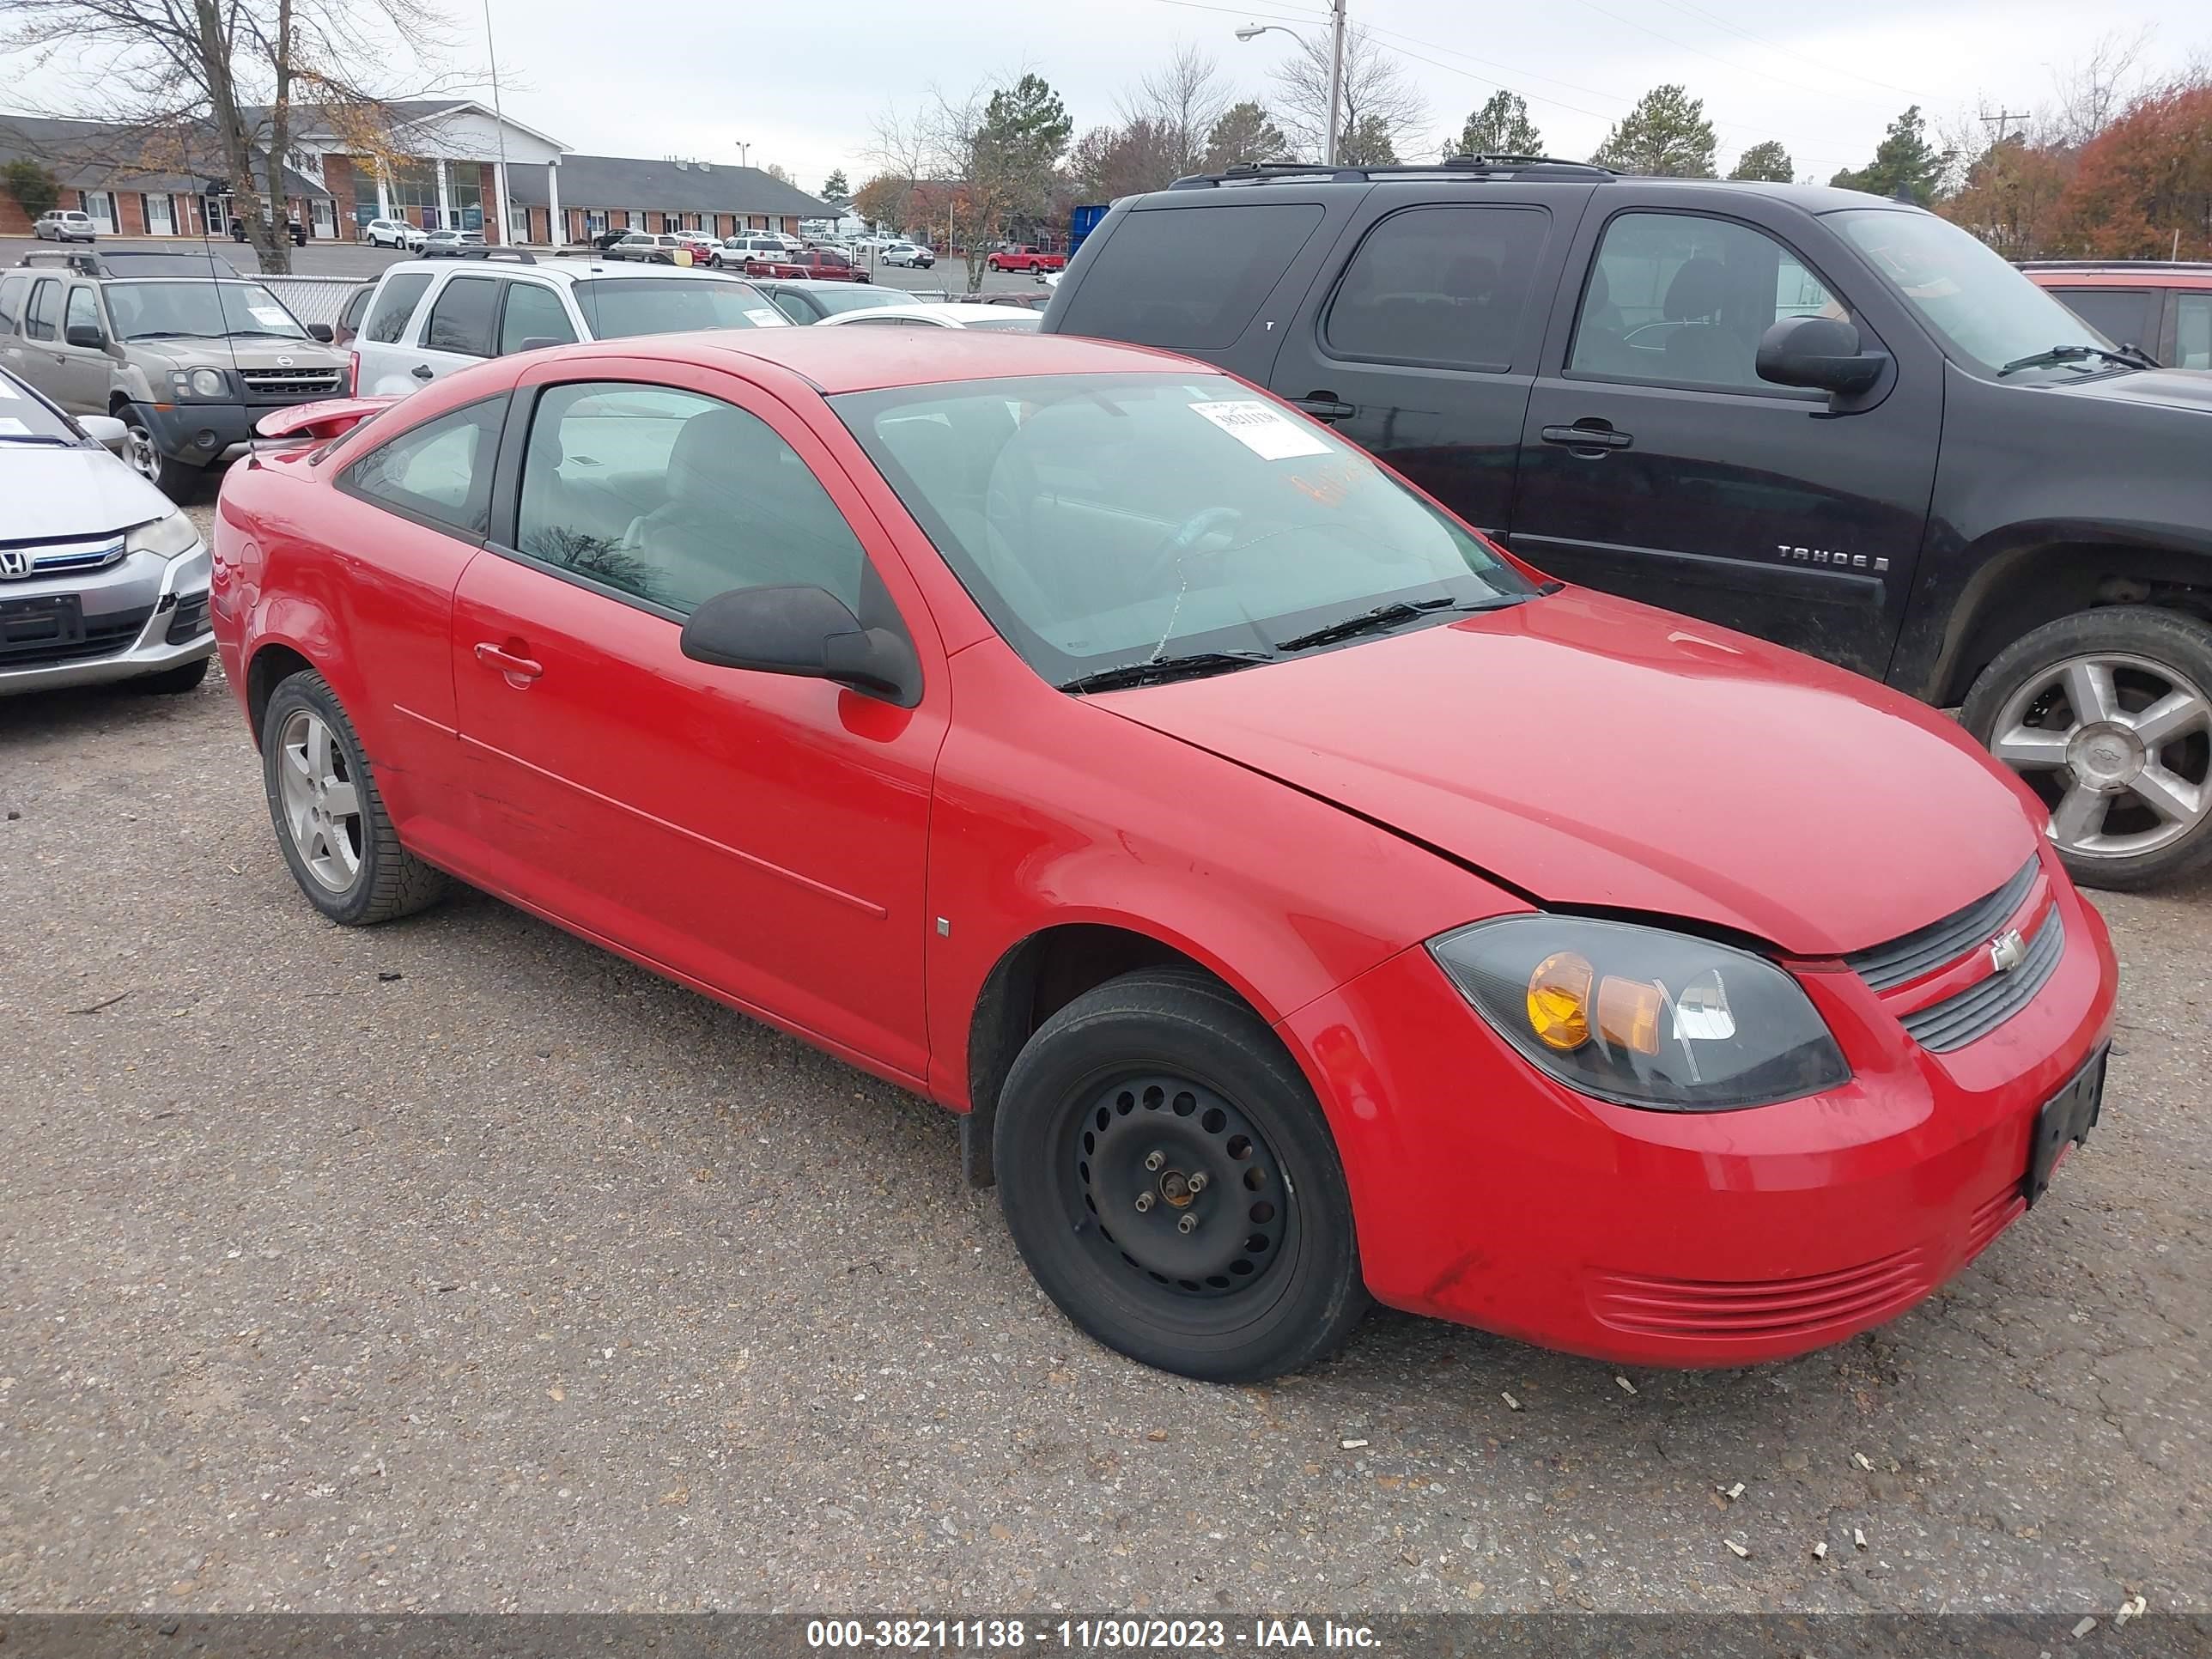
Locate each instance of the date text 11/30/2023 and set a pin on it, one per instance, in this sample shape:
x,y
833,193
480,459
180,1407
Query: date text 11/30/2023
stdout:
x,y
1085,1635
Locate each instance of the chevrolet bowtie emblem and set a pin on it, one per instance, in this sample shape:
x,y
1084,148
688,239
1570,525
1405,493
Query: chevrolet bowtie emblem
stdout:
x,y
2008,950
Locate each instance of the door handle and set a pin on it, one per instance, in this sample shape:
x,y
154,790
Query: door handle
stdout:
x,y
1324,407
514,667
1588,434
423,371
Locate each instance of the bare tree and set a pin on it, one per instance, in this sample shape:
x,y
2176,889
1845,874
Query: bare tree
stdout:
x,y
241,72
1180,102
2094,89
900,151
1380,98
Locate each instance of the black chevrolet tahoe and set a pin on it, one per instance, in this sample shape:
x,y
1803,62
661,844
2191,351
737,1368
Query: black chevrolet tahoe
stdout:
x,y
1838,422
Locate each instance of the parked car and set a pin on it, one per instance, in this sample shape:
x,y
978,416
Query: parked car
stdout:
x,y
2163,307
1299,900
755,247
425,321
187,363
450,244
293,229
1829,419
64,225
910,254
1011,319
651,247
806,302
1021,256
814,264
392,233
101,578
348,326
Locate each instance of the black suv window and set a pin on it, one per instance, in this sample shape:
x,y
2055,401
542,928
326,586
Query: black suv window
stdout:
x,y
1190,277
439,471
1679,299
394,305
45,310
1439,285
460,319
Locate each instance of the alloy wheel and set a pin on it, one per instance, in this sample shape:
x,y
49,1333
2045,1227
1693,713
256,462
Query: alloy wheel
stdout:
x,y
321,801
139,450
2118,746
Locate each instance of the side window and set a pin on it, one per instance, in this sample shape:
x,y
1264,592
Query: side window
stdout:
x,y
83,309
460,317
533,312
2126,316
439,471
1224,261
45,310
674,497
395,304
11,301
350,315
1439,285
794,308
2192,334
1681,300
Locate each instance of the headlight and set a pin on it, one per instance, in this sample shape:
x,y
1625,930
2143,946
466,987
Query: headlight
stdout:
x,y
199,383
1643,1017
166,536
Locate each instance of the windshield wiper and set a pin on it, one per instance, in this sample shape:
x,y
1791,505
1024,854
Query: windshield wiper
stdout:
x,y
2127,357
1194,666
37,438
1384,616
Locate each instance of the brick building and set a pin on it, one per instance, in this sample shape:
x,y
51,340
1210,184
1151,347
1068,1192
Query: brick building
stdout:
x,y
132,183
581,197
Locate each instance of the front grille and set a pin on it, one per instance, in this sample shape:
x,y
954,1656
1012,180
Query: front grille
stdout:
x,y
53,559
1925,949
103,635
1760,1308
293,382
190,620
1986,1004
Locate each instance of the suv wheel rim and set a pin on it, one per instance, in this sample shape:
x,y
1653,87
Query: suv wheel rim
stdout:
x,y
322,804
2119,748
139,451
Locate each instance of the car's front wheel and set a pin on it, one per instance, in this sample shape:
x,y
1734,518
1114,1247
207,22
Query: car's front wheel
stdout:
x,y
178,480
330,820
1168,1177
2107,715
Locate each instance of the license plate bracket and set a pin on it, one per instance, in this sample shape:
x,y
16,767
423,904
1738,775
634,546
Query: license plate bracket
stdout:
x,y
49,620
2064,1120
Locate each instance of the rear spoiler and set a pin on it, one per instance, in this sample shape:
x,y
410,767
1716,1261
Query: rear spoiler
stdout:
x,y
320,422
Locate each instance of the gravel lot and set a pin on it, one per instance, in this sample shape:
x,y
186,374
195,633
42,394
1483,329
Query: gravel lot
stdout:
x,y
457,1265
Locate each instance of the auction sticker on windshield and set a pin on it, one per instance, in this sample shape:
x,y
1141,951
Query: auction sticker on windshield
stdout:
x,y
1261,429
273,316
765,317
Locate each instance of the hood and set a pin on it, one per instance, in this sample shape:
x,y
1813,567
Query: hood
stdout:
x,y
2163,388
1595,752
218,351
70,494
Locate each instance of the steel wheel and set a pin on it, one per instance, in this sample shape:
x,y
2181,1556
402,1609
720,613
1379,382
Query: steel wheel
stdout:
x,y
2118,746
1188,1200
322,805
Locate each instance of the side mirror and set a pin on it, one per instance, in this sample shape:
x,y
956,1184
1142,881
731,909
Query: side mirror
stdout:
x,y
1819,352
805,631
321,331
104,430
85,334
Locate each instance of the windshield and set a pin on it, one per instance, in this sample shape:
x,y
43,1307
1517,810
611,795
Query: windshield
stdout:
x,y
153,311
1982,306
614,308
22,416
1107,520
858,299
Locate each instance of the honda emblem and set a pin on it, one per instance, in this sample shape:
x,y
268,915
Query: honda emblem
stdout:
x,y
14,561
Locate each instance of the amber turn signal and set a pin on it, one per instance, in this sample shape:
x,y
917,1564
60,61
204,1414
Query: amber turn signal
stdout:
x,y
1628,1014
1559,1001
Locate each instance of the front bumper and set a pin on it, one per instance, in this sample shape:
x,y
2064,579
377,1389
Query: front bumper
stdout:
x,y
1488,1194
202,434
177,629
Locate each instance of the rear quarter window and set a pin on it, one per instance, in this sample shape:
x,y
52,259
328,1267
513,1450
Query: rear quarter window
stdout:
x,y
1188,277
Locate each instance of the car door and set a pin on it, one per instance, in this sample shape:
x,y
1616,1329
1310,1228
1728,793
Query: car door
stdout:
x,y
14,300
82,372
460,328
37,358
1423,351
761,834
1656,463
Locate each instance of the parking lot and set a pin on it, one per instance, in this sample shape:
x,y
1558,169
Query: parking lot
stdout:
x,y
457,1264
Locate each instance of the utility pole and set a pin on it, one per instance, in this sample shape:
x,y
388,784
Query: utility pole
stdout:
x,y
2001,118
1335,78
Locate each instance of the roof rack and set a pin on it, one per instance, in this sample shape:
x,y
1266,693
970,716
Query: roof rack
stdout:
x,y
1485,166
512,255
85,264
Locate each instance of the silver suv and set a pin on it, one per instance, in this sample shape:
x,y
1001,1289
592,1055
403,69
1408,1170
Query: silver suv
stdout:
x,y
188,363
101,578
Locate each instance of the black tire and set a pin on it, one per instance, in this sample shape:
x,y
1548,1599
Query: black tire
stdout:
x,y
1172,1064
178,480
390,881
174,682
2145,655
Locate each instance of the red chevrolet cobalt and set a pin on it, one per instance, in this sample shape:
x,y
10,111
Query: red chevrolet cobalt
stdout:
x,y
1301,900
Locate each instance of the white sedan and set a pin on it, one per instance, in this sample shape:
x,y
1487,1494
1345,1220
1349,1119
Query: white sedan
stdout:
x,y
1011,319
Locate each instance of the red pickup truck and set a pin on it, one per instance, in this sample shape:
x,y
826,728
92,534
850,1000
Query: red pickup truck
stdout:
x,y
820,264
1026,258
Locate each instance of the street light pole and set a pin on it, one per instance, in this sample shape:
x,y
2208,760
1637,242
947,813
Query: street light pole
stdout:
x,y
1335,77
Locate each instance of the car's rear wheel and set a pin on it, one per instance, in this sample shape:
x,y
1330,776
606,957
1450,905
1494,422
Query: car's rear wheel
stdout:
x,y
2107,715
178,480
1169,1179
330,820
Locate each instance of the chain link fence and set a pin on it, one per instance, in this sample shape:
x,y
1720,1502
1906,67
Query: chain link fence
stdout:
x,y
315,299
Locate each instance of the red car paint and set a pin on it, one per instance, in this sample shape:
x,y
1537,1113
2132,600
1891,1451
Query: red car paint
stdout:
x,y
821,264
1299,828
1026,258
